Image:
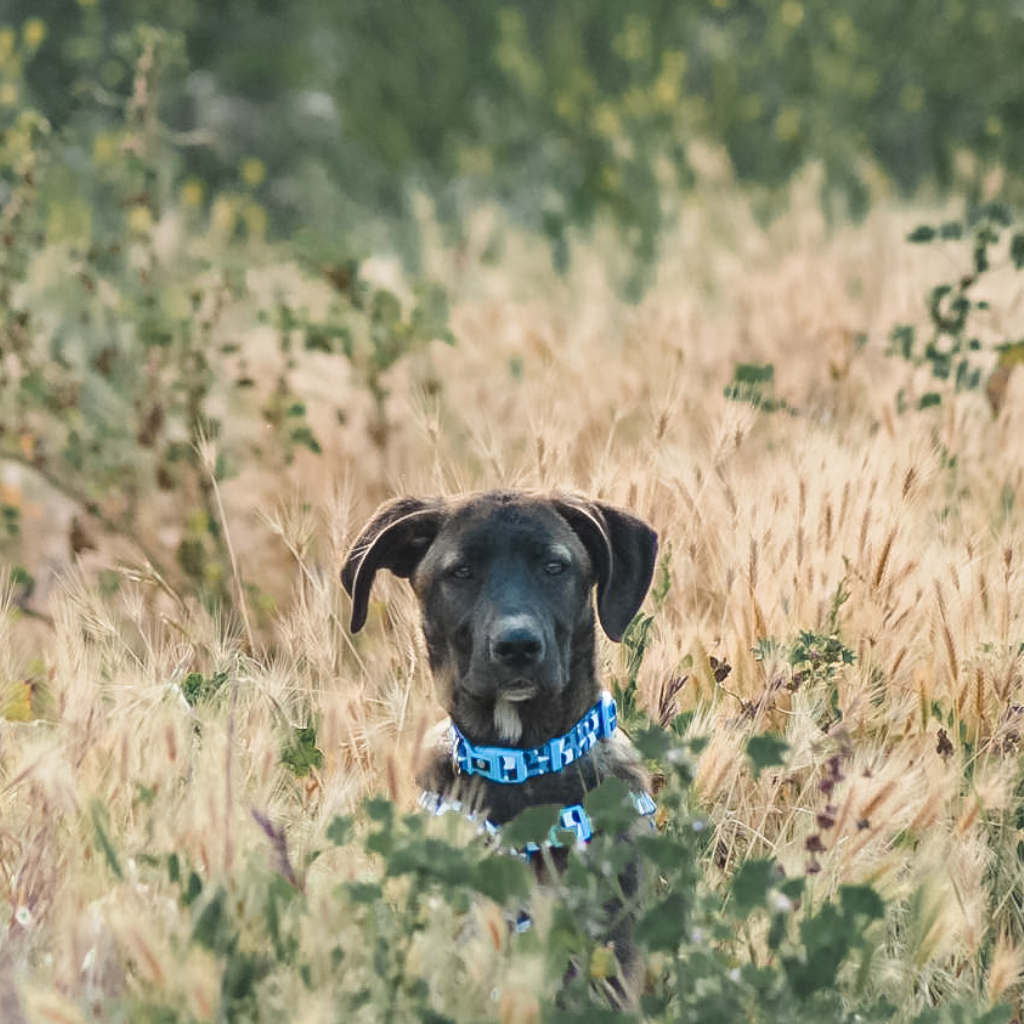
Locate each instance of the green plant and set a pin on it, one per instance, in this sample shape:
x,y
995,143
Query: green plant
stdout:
x,y
813,662
601,102
764,948
988,240
126,312
755,383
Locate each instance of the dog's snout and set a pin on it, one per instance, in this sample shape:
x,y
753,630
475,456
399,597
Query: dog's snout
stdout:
x,y
517,643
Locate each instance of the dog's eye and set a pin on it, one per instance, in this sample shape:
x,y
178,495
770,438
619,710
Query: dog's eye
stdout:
x,y
460,572
555,567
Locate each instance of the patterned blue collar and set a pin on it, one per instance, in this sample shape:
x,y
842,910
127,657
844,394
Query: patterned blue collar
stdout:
x,y
511,765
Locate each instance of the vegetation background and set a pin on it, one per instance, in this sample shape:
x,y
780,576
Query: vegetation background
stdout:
x,y
750,268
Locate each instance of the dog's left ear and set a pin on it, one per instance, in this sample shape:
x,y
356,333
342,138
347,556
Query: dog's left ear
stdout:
x,y
396,538
623,550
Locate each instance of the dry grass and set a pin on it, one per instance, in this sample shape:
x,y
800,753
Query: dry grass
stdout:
x,y
764,520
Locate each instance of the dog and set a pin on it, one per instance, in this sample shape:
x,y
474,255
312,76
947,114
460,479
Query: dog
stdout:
x,y
504,582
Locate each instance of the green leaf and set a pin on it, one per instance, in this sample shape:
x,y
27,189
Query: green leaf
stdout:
x,y
378,808
1017,250
368,893
301,754
663,927
502,878
654,743
340,830
765,751
793,888
659,852
996,212
929,399
863,900
430,858
241,973
997,1015
981,262
610,807
99,823
305,437
193,889
777,930
751,885
754,373
826,941
587,1015
532,825
207,927
901,338
196,687
318,339
922,233
430,1017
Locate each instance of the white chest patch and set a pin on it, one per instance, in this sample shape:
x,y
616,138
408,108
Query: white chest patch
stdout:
x,y
507,720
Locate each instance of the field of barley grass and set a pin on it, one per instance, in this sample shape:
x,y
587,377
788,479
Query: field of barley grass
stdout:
x,y
841,569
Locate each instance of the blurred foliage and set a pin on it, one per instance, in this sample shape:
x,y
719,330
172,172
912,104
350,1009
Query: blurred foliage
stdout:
x,y
152,155
125,293
566,111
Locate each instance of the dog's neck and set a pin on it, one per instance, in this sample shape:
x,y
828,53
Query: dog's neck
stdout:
x,y
512,765
494,721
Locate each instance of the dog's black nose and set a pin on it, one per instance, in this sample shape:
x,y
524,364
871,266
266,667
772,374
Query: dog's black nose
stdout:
x,y
517,644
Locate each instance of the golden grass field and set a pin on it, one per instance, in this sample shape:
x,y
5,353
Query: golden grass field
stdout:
x,y
901,531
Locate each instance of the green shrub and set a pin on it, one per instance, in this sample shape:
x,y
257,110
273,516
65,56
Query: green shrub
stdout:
x,y
126,309
955,347
409,936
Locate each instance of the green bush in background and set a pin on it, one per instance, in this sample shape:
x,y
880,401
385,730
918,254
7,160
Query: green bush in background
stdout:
x,y
124,382
565,111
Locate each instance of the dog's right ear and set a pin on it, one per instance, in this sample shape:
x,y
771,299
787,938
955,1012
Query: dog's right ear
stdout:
x,y
395,538
623,549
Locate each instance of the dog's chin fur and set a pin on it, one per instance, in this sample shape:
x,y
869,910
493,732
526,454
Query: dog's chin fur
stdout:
x,y
507,720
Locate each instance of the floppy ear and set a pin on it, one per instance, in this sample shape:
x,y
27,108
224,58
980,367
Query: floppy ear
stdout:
x,y
395,538
623,550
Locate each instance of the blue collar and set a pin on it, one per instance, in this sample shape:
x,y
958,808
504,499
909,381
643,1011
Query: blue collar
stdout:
x,y
512,765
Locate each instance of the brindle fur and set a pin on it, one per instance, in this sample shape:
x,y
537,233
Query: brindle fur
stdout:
x,y
504,581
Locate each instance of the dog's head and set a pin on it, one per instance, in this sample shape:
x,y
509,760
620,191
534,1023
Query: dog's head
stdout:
x,y
504,582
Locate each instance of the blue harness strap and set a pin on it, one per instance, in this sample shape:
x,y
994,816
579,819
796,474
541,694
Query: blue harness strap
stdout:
x,y
571,819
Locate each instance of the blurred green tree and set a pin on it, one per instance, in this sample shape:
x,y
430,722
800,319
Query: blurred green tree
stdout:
x,y
563,111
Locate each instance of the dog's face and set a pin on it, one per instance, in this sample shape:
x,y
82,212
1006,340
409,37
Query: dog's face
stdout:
x,y
504,583
506,596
